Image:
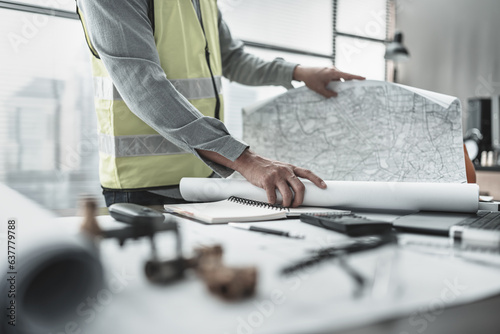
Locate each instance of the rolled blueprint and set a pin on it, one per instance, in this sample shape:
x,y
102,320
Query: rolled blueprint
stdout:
x,y
412,196
51,272
56,274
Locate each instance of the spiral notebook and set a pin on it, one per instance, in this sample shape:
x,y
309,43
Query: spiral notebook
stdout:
x,y
236,209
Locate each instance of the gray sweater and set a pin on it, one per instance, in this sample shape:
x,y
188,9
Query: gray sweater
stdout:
x,y
121,33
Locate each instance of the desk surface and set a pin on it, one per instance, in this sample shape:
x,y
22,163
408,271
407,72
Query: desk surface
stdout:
x,y
412,291
405,283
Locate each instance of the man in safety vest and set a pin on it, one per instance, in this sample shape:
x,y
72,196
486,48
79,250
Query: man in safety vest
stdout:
x,y
157,67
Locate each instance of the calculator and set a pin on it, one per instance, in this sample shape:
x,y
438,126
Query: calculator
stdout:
x,y
351,224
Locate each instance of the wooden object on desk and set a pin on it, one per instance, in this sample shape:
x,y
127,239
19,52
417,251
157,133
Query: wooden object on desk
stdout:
x,y
469,168
89,211
228,283
489,182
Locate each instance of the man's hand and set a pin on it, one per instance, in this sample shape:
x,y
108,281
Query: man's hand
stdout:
x,y
316,78
269,175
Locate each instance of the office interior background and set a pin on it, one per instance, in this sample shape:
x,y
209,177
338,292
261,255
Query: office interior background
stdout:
x,y
48,139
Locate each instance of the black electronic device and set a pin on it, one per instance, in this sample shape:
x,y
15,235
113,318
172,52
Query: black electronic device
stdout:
x,y
135,214
442,223
350,224
479,117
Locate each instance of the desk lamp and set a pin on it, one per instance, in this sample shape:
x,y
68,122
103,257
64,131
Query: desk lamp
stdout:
x,y
396,52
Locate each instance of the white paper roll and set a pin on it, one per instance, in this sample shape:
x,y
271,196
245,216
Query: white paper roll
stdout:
x,y
452,197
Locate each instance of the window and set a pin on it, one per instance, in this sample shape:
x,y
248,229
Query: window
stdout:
x,y
48,140
360,31
350,34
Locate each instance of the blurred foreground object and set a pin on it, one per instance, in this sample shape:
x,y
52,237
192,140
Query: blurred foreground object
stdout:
x,y
225,282
56,273
89,225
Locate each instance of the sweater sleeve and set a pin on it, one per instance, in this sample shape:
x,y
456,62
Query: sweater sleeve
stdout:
x,y
247,69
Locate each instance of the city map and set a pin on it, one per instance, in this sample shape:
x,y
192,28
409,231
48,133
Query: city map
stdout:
x,y
373,131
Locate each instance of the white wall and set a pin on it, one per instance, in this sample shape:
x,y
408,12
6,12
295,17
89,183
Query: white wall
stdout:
x,y
454,46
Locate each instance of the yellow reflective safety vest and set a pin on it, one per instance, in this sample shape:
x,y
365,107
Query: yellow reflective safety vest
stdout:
x,y
132,154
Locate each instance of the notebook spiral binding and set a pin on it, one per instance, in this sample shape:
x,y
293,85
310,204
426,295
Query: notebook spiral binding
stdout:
x,y
259,204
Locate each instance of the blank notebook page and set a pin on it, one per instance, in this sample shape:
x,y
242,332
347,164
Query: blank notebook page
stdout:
x,y
230,210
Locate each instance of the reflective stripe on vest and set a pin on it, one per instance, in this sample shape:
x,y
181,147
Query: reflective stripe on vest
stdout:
x,y
191,89
136,146
132,154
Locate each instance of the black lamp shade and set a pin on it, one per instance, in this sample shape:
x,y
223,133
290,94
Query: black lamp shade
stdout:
x,y
395,50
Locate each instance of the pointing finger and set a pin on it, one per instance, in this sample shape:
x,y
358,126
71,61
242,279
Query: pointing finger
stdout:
x,y
348,76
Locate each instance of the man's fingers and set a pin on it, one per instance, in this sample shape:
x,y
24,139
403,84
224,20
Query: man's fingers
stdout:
x,y
271,193
286,193
307,174
298,189
336,75
332,93
348,76
326,92
354,77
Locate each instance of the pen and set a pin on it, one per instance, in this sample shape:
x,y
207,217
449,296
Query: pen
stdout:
x,y
267,230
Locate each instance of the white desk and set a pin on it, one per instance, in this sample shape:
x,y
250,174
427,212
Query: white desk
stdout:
x,y
318,301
